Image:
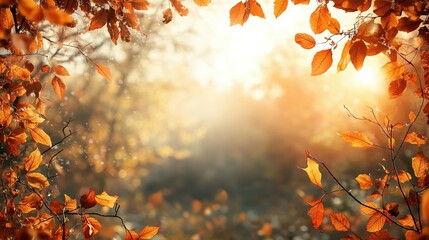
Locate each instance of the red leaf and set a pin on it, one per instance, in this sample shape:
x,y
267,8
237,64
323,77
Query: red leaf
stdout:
x,y
88,200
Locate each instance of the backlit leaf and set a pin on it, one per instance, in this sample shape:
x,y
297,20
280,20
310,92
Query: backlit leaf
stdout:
x,y
99,19
406,25
20,73
88,199
236,14
59,87
411,235
367,210
397,88
56,207
420,164
30,10
380,235
142,4
389,21
182,10
305,40
358,52
70,204
345,57
316,213
106,200
202,3
375,222
91,226
58,17
305,2
403,176
37,180
415,138
29,203
131,235
313,172
340,222
279,7
425,207
148,232
322,61
334,26
104,71
364,181
256,9
319,19
33,161
393,70
45,68
355,138
40,136
411,116
406,220
60,70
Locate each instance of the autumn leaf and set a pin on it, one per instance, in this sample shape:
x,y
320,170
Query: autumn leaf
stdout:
x,y
306,41
56,207
91,226
389,21
368,211
397,87
61,71
279,7
58,17
131,235
319,19
380,235
334,26
415,138
316,213
340,222
202,3
70,204
313,172
148,232
407,221
37,180
99,19
30,202
345,57
20,73
45,69
355,138
256,9
30,10
358,52
236,14
392,70
182,10
403,176
104,71
411,235
305,2
87,200
375,222
425,207
407,25
143,4
33,161
364,181
322,61
40,136
106,200
412,116
59,87
167,15
420,164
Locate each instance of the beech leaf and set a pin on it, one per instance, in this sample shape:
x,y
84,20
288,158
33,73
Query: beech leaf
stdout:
x,y
313,172
104,71
355,138
322,61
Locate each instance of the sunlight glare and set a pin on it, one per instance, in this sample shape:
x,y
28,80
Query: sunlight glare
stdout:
x,y
367,76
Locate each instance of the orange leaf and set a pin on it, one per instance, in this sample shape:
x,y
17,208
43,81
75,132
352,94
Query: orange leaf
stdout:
x,y
322,61
305,2
357,139
58,17
59,87
70,204
45,68
397,87
40,136
20,73
202,3
316,212
380,235
425,207
367,210
411,116
406,25
357,54
182,10
279,7
415,138
305,40
104,71
407,220
364,181
33,161
37,180
403,176
393,70
140,4
30,10
99,19
60,70
313,172
411,235
30,203
148,232
340,222
236,14
91,226
15,139
319,19
334,26
131,235
375,222
88,200
389,21
256,9
106,200
345,57
420,164
167,15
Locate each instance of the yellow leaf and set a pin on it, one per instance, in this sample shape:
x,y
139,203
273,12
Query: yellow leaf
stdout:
x,y
364,181
355,138
392,70
313,172
104,71
345,57
148,232
33,161
415,138
412,116
279,7
37,180
40,136
375,222
407,220
105,199
70,204
322,61
403,176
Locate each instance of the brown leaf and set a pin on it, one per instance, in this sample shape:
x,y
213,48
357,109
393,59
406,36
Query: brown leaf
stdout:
x,y
279,7
411,235
33,161
389,21
397,88
316,213
407,25
37,180
375,222
355,138
60,70
319,19
99,19
236,14
415,138
358,52
313,172
59,87
306,41
143,4
420,164
148,232
321,62
40,136
364,181
15,139
104,71
345,57
106,200
88,200
392,208
340,222
425,207
56,207
381,7
45,69
167,15
91,226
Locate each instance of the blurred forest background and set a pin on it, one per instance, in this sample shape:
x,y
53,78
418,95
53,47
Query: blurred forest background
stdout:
x,y
204,130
